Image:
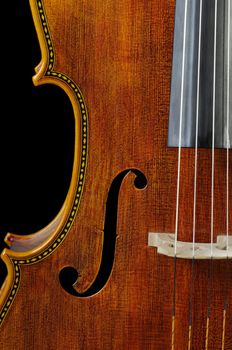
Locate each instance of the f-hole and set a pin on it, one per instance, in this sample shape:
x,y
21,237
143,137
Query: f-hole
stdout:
x,y
69,275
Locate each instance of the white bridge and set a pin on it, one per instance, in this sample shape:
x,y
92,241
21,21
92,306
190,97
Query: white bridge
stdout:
x,y
166,245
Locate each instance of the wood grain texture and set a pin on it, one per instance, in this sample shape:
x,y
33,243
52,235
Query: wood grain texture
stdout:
x,y
120,54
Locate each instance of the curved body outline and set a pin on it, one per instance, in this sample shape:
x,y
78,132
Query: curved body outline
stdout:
x,y
26,250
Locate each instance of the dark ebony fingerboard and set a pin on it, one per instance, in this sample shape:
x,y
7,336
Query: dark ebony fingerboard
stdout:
x,y
186,99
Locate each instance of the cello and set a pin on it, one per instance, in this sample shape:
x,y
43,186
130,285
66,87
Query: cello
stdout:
x,y
139,255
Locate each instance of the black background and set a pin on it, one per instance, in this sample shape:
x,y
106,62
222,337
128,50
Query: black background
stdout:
x,y
36,132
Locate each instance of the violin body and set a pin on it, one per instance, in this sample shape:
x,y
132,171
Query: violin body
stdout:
x,y
114,61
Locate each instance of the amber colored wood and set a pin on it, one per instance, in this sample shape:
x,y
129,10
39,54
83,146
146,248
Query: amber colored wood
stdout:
x,y
120,54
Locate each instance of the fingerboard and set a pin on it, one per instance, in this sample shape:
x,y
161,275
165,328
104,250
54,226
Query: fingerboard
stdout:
x,y
201,93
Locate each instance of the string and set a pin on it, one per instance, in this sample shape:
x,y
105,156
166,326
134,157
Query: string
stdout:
x,y
195,177
227,174
180,128
197,127
179,168
213,174
228,135
213,128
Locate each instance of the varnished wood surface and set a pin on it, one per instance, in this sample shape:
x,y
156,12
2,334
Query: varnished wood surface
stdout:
x,y
120,54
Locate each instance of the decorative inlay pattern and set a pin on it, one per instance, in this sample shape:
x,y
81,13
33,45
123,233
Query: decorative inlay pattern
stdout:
x,y
84,144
